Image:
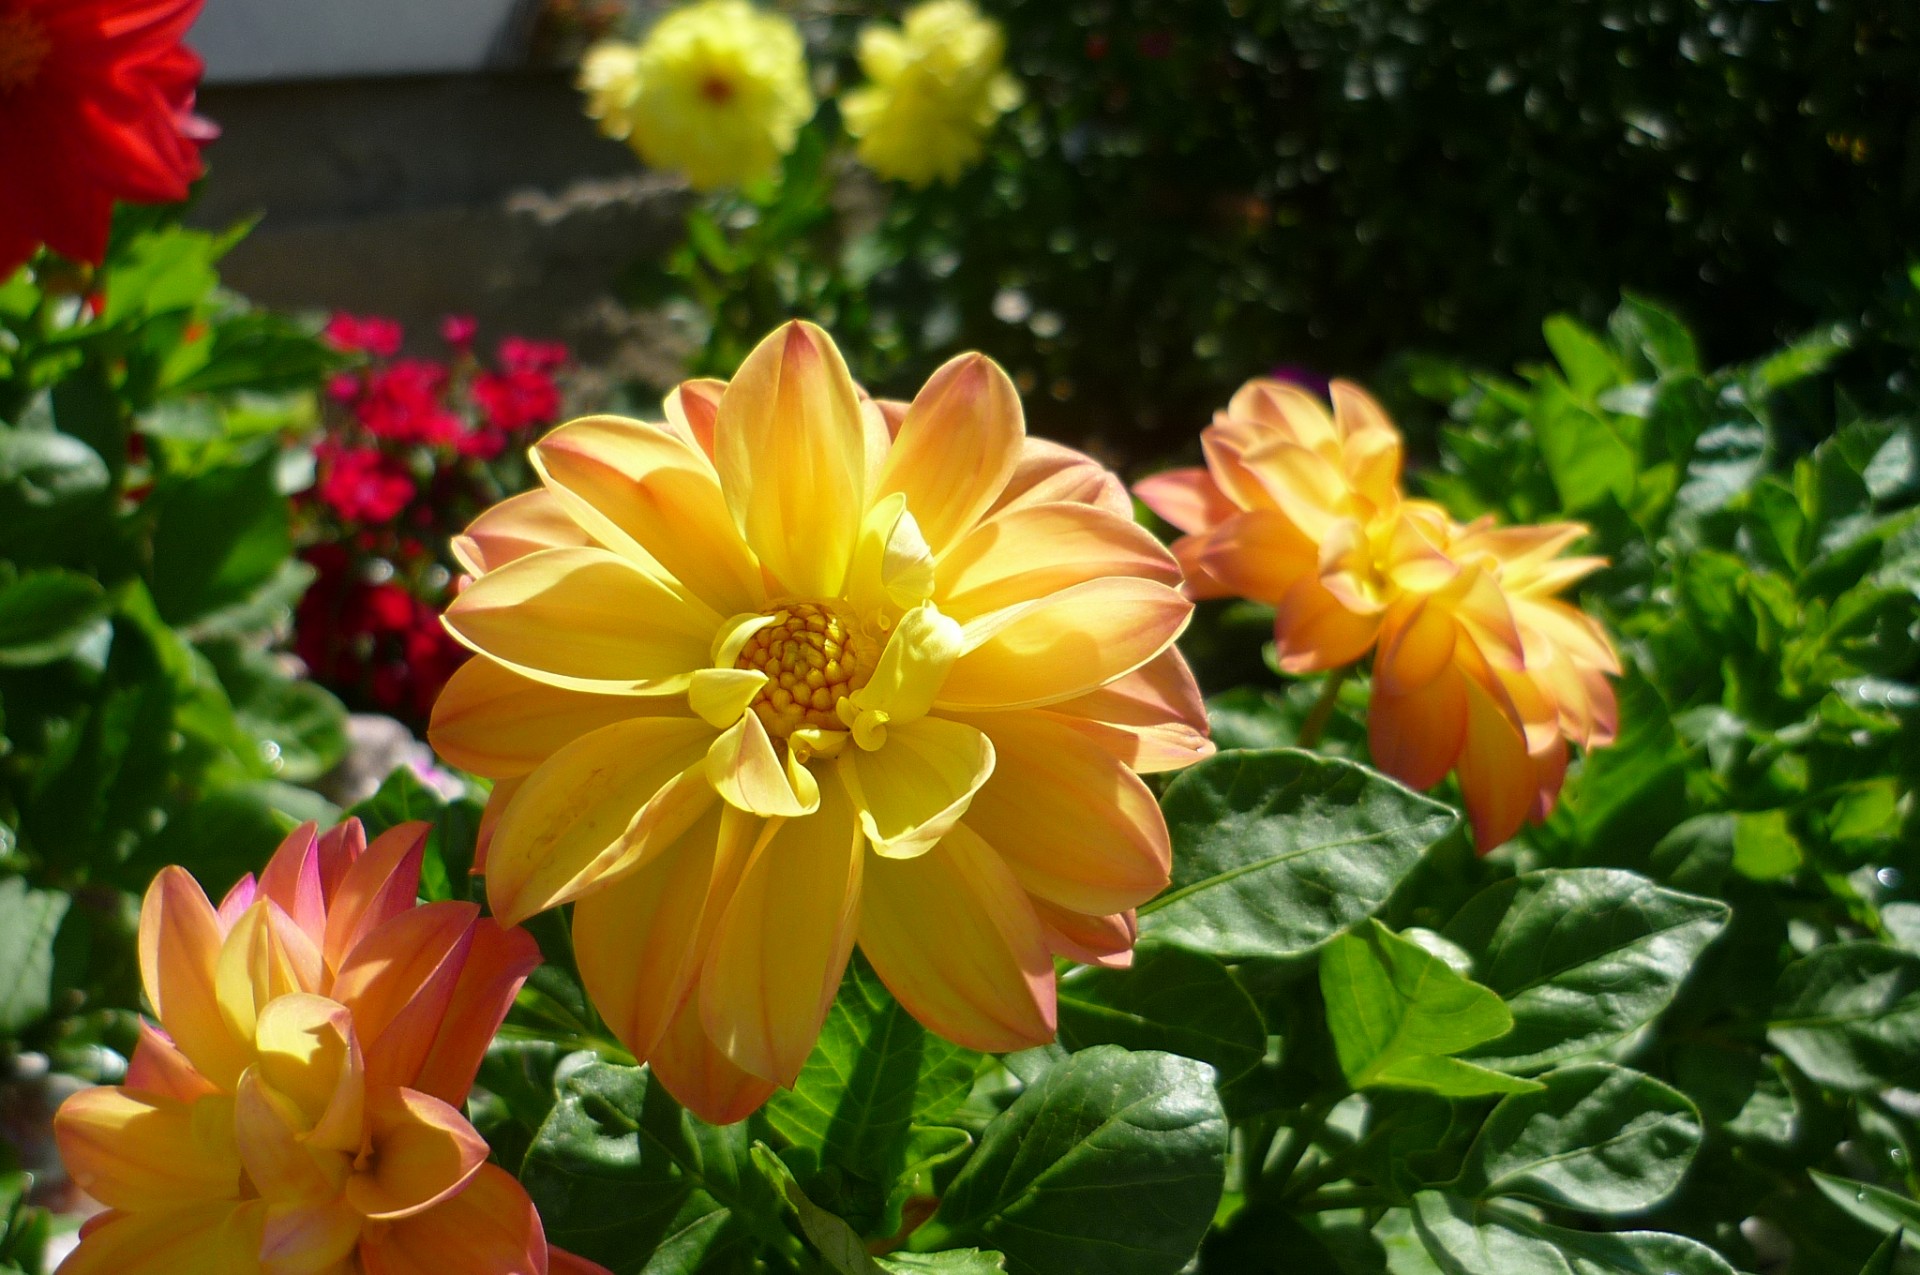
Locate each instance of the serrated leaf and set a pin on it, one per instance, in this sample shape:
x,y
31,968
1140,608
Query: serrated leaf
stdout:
x,y
1277,852
1109,1164
1598,1138
1848,1015
1169,999
1581,956
29,921
1398,1013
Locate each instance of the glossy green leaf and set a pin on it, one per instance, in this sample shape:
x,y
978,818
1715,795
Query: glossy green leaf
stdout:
x,y
1276,852
1597,1138
1169,999
47,615
1581,956
29,921
1398,1013
1848,1015
217,537
1109,1164
1444,1235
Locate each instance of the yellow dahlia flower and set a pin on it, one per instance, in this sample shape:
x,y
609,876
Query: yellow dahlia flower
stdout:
x,y
797,670
937,87
1478,668
717,91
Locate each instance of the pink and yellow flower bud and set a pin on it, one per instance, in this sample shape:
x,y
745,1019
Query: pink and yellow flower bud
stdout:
x,y
796,671
1479,669
296,1110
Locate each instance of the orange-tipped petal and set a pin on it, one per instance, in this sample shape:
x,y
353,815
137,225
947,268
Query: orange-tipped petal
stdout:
x,y
648,492
139,1151
292,879
1417,637
700,1077
566,617
236,901
494,722
1187,498
1050,473
315,1238
1064,645
379,884
514,528
1106,941
1302,484
266,956
1028,553
158,1067
780,949
593,807
180,940
217,1238
1417,737
1283,410
490,1228
399,981
1258,555
1075,825
957,446
692,409
1153,719
1225,444
504,791
790,446
497,964
421,1152
952,935
1496,776
281,1165
339,848
639,941
1313,632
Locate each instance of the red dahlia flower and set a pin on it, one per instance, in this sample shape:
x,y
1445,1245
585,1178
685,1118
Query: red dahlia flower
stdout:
x,y
96,105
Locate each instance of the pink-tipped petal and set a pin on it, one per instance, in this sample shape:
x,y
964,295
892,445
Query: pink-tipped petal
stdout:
x,y
399,981
700,1077
497,964
490,1228
180,938
421,1152
1187,498
379,884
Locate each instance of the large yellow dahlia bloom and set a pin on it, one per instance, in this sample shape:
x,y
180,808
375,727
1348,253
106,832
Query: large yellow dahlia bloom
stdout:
x,y
797,670
717,91
936,87
1479,668
297,1110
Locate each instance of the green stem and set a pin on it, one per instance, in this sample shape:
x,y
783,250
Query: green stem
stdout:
x,y
1351,1198
1300,1139
1322,711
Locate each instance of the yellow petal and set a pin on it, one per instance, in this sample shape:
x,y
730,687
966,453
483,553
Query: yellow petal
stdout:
x,y
639,940
791,451
1064,644
912,668
1313,631
692,408
310,1239
265,957
1259,555
700,1077
642,489
585,620
952,935
305,1049
747,771
1028,553
781,947
494,722
1371,443
1417,638
892,565
1284,410
957,447
1049,473
1075,825
1302,484
589,807
514,528
913,789
719,695
158,1067
1153,719
420,1152
281,1164
218,1238
1416,736
142,1151
490,1227
180,941
1225,444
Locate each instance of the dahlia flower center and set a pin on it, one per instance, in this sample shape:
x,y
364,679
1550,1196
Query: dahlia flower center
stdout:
x,y
813,656
24,46
717,89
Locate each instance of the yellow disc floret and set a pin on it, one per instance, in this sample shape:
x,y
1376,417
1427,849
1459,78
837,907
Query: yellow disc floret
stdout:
x,y
813,658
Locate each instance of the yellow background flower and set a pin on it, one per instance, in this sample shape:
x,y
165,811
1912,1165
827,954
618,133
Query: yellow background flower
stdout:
x,y
936,88
797,670
717,91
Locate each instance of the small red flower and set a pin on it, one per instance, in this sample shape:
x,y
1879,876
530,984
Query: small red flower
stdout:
x,y
96,105
518,354
361,485
369,335
517,399
458,330
402,404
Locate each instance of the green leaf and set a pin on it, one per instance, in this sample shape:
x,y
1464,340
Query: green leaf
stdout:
x,y
624,1177
1881,1262
29,921
874,1074
1111,1163
1589,365
45,475
1764,847
1442,1235
954,1261
1397,1013
47,615
1848,1015
217,537
1581,956
1879,1208
838,1244
1277,852
1655,334
1585,455
1597,1138
1172,999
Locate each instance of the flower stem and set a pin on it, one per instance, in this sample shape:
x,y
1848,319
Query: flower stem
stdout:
x,y
1322,711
